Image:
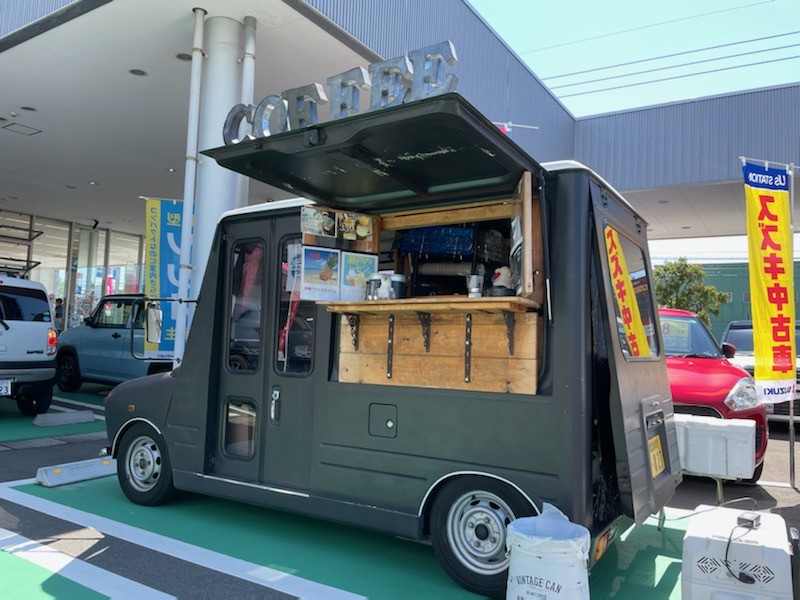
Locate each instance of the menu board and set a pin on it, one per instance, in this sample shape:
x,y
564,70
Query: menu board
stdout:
x,y
345,230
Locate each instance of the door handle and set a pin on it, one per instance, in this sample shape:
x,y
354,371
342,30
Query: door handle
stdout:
x,y
275,406
116,335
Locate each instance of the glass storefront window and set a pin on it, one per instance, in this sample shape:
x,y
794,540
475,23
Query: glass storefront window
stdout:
x,y
124,267
87,267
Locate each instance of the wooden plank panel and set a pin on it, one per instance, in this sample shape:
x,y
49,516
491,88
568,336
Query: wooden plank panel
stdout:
x,y
527,233
487,374
447,335
466,213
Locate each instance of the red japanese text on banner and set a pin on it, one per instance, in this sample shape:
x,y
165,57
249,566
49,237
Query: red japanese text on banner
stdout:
x,y
625,296
769,243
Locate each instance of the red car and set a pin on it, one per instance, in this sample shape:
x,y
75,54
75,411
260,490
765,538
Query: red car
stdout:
x,y
702,380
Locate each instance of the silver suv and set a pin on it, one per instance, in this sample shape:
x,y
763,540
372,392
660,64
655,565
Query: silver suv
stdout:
x,y
740,334
27,345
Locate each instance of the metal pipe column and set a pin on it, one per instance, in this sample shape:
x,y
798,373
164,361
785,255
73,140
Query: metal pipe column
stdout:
x,y
189,182
218,189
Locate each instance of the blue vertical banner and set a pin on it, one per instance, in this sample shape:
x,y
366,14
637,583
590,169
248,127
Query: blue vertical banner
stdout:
x,y
161,267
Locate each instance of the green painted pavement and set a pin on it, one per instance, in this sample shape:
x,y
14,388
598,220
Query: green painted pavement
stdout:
x,y
13,426
22,579
646,564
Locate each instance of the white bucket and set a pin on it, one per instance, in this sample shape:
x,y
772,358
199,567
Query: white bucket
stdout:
x,y
549,558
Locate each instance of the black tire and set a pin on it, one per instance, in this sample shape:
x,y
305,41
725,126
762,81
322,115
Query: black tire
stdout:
x,y
36,403
756,476
468,531
237,362
143,466
68,375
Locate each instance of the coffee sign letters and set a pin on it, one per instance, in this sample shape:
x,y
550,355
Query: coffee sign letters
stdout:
x,y
416,76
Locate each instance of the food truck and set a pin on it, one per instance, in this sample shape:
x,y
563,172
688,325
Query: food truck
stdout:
x,y
441,335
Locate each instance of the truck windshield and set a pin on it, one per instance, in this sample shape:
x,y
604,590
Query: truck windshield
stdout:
x,y
687,337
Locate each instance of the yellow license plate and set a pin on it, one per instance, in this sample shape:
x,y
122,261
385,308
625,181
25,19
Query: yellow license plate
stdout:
x,y
656,456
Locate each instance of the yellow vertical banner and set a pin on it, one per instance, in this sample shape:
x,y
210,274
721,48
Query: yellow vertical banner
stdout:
x,y
628,307
769,244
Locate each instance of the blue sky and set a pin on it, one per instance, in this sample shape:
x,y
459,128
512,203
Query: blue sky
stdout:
x,y
587,38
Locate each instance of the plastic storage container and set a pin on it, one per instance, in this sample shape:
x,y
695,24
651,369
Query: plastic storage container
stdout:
x,y
723,448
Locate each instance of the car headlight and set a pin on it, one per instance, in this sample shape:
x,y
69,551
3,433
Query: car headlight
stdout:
x,y
742,395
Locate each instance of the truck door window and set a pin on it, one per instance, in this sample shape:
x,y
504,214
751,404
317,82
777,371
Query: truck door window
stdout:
x,y
113,313
295,329
630,285
247,274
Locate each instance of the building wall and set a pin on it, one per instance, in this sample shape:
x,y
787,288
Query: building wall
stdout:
x,y
733,278
491,76
22,20
691,142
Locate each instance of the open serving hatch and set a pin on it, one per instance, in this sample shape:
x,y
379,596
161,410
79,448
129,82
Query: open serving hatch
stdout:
x,y
437,150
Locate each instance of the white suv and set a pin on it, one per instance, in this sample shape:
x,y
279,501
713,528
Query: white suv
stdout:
x,y
27,345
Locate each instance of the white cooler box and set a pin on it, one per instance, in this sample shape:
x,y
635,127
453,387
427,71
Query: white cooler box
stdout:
x,y
723,448
761,554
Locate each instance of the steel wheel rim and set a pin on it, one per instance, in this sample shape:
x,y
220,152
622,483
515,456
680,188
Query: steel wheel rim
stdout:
x,y
476,531
143,463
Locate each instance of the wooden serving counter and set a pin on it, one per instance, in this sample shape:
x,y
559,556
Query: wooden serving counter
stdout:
x,y
452,342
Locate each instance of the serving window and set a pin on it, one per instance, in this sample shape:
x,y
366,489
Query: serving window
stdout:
x,y
431,297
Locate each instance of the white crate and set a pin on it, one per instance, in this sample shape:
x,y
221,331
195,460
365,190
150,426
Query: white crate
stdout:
x,y
723,448
762,554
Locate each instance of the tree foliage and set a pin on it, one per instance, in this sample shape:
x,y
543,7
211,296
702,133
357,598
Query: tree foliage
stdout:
x,y
681,285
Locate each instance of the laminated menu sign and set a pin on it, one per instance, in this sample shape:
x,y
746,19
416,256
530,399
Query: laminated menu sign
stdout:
x,y
356,232
356,271
320,274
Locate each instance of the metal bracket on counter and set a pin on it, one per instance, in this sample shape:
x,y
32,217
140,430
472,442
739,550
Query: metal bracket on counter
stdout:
x,y
390,348
510,319
468,349
353,320
425,321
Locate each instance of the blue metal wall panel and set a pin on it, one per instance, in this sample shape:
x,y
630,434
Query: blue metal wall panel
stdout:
x,y
15,14
491,76
692,142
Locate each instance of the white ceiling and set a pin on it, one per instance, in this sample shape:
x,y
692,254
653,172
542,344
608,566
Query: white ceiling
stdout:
x,y
100,123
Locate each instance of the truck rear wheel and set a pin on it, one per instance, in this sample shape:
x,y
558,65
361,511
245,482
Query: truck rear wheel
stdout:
x,y
68,376
143,467
468,531
35,403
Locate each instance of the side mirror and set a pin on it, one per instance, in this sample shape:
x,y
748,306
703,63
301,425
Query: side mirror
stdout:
x,y
728,350
88,321
153,324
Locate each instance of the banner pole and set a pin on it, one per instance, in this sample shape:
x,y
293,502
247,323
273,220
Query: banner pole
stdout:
x,y
792,401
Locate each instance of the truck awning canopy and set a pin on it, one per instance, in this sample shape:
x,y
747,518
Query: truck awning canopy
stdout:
x,y
432,151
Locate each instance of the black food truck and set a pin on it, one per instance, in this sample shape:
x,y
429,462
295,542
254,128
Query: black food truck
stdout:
x,y
443,335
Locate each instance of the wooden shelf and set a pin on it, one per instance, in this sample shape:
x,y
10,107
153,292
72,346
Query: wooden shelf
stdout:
x,y
435,304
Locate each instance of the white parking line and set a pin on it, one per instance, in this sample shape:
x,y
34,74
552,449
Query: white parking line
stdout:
x,y
261,575
81,404
94,578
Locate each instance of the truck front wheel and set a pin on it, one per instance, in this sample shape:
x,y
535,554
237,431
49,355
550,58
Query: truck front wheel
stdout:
x,y
143,467
468,531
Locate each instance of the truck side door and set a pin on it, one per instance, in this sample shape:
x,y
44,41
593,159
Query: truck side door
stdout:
x,y
644,437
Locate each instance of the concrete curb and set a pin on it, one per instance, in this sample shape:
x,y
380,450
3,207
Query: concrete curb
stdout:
x,y
64,418
81,470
